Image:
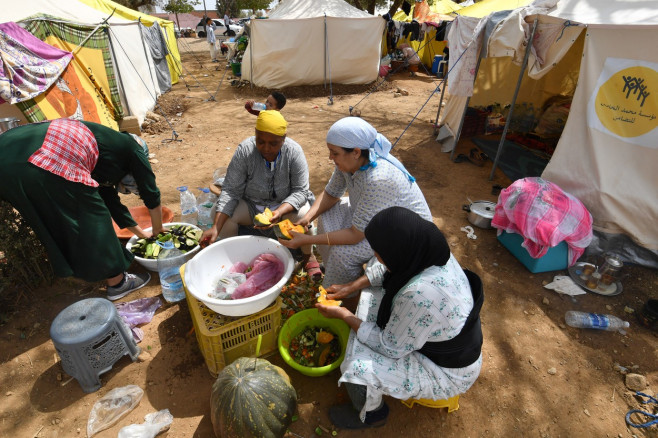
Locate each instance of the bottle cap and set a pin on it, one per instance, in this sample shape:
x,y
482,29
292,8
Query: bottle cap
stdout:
x,y
182,188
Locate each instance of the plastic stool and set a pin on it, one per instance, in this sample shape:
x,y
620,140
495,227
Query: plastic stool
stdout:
x,y
90,337
451,403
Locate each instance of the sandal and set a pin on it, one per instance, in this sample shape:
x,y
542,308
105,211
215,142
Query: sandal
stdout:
x,y
477,157
313,270
460,158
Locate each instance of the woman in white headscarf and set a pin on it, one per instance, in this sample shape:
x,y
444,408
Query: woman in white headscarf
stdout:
x,y
374,180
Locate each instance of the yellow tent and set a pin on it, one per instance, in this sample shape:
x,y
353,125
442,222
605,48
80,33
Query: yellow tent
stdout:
x,y
445,7
173,58
422,12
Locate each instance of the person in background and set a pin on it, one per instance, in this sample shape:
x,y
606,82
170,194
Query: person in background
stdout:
x,y
419,335
227,21
268,170
275,101
374,180
64,178
210,37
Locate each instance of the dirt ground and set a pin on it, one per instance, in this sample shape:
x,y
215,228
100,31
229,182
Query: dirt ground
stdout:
x,y
540,378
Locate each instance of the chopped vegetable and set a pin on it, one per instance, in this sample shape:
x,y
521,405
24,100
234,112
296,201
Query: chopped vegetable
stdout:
x,y
298,294
307,350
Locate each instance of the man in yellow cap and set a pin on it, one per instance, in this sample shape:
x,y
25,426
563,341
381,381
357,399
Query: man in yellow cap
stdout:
x,y
268,170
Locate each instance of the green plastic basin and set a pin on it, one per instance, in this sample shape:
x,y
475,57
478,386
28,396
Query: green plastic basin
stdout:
x,y
311,318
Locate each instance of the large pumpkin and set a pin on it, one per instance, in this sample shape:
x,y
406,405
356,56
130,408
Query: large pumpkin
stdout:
x,y
252,398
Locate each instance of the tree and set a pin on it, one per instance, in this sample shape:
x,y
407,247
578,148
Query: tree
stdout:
x,y
228,5
180,7
135,4
368,5
253,5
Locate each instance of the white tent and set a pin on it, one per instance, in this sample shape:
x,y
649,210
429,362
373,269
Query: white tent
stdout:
x,y
309,42
608,150
137,76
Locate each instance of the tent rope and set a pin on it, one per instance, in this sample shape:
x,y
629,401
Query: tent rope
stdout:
x,y
438,88
212,96
157,105
98,26
378,83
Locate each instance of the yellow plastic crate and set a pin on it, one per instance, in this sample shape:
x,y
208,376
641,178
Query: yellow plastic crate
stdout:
x,y
223,339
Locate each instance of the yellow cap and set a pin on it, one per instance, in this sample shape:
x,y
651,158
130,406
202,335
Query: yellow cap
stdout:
x,y
271,121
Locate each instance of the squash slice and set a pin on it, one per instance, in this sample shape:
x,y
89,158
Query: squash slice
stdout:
x,y
322,299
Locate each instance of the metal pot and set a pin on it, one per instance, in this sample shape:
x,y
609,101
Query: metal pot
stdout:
x,y
7,123
480,213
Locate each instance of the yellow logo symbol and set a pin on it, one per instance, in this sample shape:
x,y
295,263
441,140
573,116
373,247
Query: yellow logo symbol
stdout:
x,y
627,104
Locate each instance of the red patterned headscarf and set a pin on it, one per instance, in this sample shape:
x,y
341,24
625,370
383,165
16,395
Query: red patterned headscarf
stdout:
x,y
69,150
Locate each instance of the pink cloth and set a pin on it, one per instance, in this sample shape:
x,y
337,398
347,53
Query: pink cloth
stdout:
x,y
28,66
266,271
544,215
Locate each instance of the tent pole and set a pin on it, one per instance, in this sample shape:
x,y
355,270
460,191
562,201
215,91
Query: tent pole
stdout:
x,y
438,111
251,57
325,51
501,145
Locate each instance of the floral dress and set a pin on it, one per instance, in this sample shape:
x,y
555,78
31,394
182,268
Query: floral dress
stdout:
x,y
370,191
433,306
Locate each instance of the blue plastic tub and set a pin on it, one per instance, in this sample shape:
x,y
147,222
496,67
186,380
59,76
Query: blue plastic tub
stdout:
x,y
557,257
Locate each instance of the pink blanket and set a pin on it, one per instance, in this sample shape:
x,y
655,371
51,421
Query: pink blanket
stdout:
x,y
266,271
544,215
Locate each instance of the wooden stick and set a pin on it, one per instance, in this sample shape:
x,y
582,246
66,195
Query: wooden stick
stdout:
x,y
38,432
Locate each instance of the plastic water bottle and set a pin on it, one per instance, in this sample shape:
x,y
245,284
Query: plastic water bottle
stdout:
x,y
188,206
205,209
258,106
595,321
169,264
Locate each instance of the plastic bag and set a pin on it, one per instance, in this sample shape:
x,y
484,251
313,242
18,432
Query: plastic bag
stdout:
x,y
138,312
267,269
563,284
227,284
154,423
111,407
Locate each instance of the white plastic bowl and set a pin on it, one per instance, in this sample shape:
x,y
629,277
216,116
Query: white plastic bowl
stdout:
x,y
152,264
203,271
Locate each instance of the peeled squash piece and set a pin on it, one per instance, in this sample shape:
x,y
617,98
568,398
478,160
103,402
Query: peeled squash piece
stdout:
x,y
322,299
263,219
283,228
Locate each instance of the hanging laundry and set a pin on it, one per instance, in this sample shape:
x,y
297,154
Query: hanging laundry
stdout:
x,y
406,7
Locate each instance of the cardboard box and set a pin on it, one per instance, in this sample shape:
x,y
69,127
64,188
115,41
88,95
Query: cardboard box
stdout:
x,y
130,124
557,257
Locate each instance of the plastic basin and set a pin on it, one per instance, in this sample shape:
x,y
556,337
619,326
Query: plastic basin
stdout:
x,y
143,219
152,264
308,318
203,271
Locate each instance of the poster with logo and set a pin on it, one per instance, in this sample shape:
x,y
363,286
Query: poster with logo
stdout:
x,y
624,103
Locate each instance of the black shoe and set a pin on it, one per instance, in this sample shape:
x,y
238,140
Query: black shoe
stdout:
x,y
346,417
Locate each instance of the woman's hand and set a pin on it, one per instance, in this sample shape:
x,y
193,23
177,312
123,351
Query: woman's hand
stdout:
x,y
333,311
209,236
298,239
304,222
137,231
340,291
